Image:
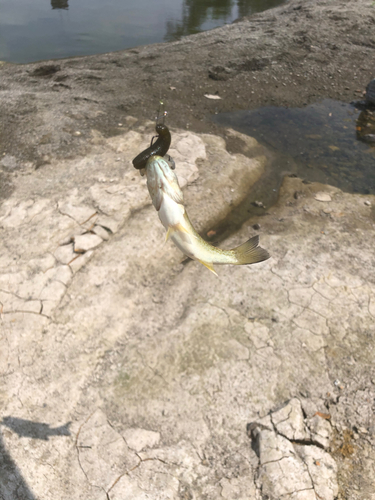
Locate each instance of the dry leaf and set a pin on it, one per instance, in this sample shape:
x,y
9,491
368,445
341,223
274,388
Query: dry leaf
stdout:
x,y
326,416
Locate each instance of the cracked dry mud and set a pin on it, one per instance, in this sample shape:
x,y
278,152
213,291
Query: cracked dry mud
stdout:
x,y
168,382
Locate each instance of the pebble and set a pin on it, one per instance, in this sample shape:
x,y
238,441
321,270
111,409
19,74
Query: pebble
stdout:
x,y
85,242
368,203
258,204
80,261
101,232
321,196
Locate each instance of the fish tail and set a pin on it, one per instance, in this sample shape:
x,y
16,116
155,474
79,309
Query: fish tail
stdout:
x,y
249,252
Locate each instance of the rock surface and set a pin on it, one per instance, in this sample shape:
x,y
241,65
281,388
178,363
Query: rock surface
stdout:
x,y
289,462
136,373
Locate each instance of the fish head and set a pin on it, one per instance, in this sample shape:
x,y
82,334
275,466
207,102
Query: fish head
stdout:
x,y
162,181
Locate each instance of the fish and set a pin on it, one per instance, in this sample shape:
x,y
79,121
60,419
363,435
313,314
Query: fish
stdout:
x,y
168,200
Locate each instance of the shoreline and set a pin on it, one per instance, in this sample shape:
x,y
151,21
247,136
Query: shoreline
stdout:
x,y
292,55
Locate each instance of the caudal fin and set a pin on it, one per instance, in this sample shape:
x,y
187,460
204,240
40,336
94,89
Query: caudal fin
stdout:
x,y
250,253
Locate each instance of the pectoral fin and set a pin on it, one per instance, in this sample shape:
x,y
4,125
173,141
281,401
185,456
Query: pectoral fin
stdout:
x,y
172,229
209,266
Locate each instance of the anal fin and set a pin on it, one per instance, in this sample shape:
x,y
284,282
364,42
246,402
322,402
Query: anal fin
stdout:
x,y
209,266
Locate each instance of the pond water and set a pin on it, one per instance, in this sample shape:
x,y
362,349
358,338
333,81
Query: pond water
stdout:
x,y
48,29
329,142
325,142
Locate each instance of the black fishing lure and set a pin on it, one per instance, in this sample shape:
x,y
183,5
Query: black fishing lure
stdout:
x,y
159,148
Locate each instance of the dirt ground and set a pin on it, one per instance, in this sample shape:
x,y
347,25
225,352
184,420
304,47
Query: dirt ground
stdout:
x,y
292,55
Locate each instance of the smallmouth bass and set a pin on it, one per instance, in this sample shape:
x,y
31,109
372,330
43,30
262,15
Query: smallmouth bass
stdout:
x,y
167,199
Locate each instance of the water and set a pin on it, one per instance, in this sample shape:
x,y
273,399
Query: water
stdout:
x,y
48,29
329,142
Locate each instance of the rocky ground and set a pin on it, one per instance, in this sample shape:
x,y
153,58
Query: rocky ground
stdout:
x,y
129,372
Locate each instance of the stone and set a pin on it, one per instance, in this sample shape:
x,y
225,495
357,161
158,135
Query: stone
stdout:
x,y
85,242
289,463
322,469
282,472
101,232
80,260
289,421
321,430
322,196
